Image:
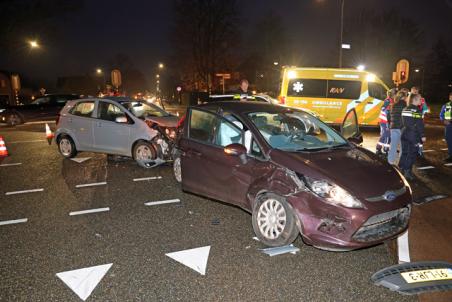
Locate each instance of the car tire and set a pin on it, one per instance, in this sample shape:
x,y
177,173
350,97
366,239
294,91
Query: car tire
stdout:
x,y
177,168
13,119
268,229
66,146
143,152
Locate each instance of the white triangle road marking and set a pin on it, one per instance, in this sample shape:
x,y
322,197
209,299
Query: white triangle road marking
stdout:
x,y
83,281
195,259
80,159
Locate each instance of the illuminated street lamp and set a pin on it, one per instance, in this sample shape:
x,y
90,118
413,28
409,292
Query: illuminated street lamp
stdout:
x,y
34,44
99,71
418,70
361,67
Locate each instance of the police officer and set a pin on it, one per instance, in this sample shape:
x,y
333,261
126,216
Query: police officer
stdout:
x,y
445,116
243,94
423,105
412,135
385,134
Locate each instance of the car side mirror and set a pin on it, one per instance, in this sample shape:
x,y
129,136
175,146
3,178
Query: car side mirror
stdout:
x,y
357,139
238,150
121,120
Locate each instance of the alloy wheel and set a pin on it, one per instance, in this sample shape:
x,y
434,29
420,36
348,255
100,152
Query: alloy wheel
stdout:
x,y
271,218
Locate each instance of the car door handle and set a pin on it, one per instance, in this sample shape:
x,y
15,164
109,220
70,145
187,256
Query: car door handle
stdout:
x,y
194,153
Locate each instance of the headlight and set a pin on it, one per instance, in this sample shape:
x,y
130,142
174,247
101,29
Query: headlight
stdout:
x,y
332,193
170,132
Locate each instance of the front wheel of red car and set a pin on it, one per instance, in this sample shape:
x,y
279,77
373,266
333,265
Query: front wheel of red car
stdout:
x,y
274,220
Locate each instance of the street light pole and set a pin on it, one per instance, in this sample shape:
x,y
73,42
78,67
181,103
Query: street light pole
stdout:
x,y
342,33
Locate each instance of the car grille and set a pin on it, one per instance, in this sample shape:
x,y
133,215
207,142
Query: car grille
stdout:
x,y
393,193
383,225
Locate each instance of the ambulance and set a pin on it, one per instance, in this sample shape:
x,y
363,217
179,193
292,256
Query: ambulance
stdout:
x,y
332,92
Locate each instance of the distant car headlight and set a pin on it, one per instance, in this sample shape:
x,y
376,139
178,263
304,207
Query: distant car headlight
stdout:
x,y
332,193
1,110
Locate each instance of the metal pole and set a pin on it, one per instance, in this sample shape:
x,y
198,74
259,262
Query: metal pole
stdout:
x,y
342,33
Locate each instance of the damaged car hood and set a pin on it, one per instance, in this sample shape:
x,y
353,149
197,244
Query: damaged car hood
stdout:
x,y
165,121
357,170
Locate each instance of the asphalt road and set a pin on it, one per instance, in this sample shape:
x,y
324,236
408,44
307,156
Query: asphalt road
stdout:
x,y
135,238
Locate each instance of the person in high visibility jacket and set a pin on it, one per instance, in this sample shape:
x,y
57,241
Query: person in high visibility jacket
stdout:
x,y
412,135
423,105
446,116
243,94
385,134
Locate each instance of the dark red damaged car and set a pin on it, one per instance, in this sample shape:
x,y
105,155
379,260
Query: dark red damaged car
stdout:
x,y
295,174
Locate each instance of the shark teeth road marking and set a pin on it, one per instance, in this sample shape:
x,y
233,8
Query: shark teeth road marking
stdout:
x,y
89,211
24,191
426,168
10,165
13,221
403,248
154,203
196,258
80,159
91,184
83,281
147,178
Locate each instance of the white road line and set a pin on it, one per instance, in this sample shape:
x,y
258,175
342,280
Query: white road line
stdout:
x,y
13,221
10,165
426,151
448,164
403,248
147,178
89,211
154,203
32,141
91,184
40,122
426,168
444,149
24,191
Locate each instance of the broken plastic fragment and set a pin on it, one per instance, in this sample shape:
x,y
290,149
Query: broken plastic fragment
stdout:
x,y
273,251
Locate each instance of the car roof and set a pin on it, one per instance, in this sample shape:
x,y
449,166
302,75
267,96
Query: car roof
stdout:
x,y
240,107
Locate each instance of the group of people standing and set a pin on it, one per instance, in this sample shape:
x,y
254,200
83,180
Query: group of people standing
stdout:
x,y
402,127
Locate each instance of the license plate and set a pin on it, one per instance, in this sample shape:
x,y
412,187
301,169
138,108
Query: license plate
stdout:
x,y
428,275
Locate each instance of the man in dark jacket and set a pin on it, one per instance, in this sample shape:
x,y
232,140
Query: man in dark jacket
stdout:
x,y
396,125
412,135
243,94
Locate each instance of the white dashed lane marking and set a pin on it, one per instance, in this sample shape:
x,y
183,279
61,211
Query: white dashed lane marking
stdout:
x,y
10,165
24,191
154,203
426,168
91,184
147,178
448,164
13,221
89,211
426,151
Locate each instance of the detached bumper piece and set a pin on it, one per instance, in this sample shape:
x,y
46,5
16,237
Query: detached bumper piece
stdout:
x,y
416,277
383,225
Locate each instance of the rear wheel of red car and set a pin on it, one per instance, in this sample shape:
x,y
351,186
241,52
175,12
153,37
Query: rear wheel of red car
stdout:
x,y
274,220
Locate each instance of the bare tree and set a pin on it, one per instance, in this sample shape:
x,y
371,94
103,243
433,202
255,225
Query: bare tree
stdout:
x,y
204,35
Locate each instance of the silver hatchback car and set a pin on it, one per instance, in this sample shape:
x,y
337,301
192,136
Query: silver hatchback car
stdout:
x,y
118,126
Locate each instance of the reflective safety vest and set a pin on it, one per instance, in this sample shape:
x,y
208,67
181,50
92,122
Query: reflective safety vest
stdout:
x,y
385,111
244,96
448,111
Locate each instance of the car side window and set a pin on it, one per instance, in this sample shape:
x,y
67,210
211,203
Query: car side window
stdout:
x,y
255,149
42,101
377,91
228,133
61,99
202,125
109,112
84,109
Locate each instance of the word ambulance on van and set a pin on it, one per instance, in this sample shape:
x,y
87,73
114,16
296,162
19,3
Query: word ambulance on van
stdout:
x,y
332,92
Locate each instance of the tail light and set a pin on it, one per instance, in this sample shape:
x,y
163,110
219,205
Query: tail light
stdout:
x,y
180,123
282,100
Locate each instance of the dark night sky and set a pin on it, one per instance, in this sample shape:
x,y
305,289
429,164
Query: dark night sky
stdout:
x,y
141,29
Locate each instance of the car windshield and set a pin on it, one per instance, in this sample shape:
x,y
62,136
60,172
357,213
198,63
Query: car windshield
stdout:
x,y
295,131
142,110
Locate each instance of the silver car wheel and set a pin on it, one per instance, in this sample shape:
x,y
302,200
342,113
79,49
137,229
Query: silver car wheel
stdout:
x,y
271,218
65,147
143,152
177,169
